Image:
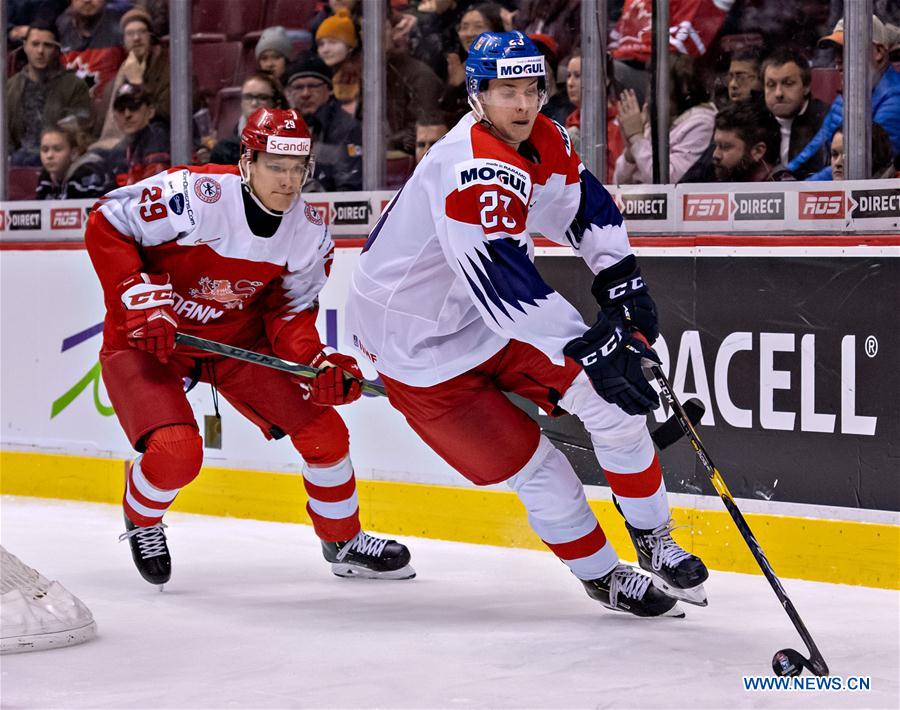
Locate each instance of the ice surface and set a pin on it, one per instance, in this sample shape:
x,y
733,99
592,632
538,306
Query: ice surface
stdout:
x,y
254,618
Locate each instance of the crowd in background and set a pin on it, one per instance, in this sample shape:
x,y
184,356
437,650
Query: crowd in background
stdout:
x,y
754,87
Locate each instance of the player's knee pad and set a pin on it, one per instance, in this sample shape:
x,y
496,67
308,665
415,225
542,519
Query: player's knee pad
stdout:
x,y
549,488
621,441
324,440
173,456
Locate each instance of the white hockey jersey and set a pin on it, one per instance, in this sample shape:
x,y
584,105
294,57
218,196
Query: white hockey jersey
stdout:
x,y
447,276
229,284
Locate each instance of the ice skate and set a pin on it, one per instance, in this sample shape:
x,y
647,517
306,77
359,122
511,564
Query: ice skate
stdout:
x,y
149,551
674,570
368,557
629,590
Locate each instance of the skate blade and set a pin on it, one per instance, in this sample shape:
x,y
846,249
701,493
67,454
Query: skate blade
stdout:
x,y
692,595
342,569
676,612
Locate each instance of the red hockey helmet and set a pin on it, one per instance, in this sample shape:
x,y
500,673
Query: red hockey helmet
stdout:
x,y
274,130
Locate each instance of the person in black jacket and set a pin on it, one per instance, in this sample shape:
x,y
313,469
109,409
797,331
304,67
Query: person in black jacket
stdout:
x,y
69,173
786,81
337,136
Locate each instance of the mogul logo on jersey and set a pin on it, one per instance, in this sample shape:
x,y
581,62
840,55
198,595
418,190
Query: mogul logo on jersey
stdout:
x,y
176,203
312,214
221,291
283,145
351,213
706,208
652,206
876,203
518,67
762,205
207,189
24,219
65,218
494,172
821,205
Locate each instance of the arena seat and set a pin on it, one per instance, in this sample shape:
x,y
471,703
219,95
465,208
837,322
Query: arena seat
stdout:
x,y
215,65
23,182
233,17
226,110
289,13
398,170
826,83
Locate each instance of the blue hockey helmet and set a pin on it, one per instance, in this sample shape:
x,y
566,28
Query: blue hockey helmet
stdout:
x,y
501,55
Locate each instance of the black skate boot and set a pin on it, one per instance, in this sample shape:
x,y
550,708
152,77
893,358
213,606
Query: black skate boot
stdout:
x,y
149,551
369,557
627,589
674,570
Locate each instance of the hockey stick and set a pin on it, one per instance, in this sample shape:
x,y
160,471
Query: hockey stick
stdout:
x,y
276,363
786,662
663,436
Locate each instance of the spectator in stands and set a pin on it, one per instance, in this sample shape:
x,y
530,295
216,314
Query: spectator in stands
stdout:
x,y
882,154
144,151
146,65
353,7
337,136
274,51
42,94
430,128
558,106
786,79
22,14
614,142
560,19
337,44
434,31
411,88
892,40
747,144
258,90
68,172
483,17
744,78
885,96
91,43
692,116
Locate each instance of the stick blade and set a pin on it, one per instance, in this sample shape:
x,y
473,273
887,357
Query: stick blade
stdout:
x,y
670,430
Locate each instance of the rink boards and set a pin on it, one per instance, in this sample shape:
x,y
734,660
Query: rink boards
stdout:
x,y
795,377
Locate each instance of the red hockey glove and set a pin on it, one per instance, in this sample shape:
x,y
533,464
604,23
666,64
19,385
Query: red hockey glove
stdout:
x,y
150,321
330,388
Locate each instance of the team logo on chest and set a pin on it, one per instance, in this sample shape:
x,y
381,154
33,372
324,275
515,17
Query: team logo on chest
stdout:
x,y
312,214
221,291
208,190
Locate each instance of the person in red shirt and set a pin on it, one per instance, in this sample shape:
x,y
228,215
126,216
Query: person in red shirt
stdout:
x,y
234,254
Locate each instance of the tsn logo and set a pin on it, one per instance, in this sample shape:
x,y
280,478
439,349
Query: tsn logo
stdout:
x,y
821,205
706,208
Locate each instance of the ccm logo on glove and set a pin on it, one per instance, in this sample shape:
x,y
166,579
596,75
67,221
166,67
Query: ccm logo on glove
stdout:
x,y
621,289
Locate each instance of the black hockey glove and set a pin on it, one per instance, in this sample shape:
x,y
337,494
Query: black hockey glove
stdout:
x,y
612,359
622,294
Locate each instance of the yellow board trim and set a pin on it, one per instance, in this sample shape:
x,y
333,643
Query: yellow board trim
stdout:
x,y
846,552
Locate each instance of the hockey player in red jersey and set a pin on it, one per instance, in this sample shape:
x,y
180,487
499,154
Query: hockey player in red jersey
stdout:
x,y
448,305
229,253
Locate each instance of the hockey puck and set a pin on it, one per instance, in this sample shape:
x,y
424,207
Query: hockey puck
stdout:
x,y
787,662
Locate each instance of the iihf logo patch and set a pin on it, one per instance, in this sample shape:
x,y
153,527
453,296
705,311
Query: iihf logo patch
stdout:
x,y
208,190
312,214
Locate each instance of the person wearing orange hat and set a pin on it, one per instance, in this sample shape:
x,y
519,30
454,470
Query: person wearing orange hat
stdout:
x,y
885,81
337,44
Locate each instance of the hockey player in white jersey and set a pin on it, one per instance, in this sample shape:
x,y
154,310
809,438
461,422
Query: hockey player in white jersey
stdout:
x,y
447,304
